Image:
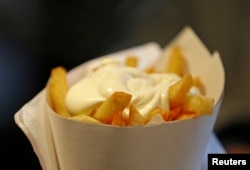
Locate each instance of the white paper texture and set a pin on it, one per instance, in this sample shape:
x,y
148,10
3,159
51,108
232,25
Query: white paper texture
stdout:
x,y
64,144
32,118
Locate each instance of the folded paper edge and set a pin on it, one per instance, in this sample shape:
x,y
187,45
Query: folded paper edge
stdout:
x,y
41,148
20,121
186,39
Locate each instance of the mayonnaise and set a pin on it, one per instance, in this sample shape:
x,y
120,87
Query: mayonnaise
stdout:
x,y
148,90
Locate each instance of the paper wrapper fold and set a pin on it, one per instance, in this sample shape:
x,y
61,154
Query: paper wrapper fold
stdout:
x,y
69,145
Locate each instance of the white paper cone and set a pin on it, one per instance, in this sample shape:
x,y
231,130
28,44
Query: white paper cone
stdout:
x,y
176,145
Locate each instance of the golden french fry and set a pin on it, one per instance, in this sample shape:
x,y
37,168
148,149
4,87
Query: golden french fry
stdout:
x,y
85,118
178,91
135,118
131,61
57,89
116,103
155,112
198,104
118,120
176,63
157,119
187,116
150,70
173,114
198,83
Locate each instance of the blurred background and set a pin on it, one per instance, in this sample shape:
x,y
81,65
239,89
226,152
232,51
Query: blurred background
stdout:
x,y
36,35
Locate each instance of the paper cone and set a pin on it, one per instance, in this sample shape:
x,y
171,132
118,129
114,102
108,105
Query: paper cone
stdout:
x,y
176,145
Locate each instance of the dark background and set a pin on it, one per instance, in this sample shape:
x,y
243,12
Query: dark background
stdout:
x,y
36,35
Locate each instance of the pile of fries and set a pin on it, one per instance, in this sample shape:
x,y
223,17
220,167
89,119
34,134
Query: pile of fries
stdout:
x,y
182,105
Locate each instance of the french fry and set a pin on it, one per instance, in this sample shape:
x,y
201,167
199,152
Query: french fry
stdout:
x,y
176,63
198,104
187,116
150,70
85,118
131,61
155,112
173,114
156,120
198,83
116,103
178,91
135,118
57,89
118,120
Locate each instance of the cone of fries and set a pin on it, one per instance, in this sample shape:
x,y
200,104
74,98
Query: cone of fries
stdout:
x,y
141,108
